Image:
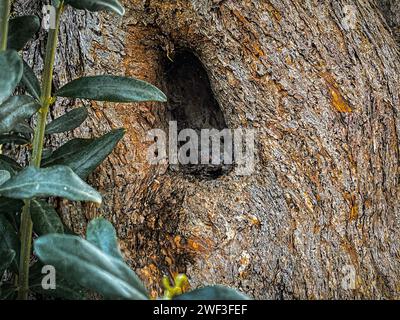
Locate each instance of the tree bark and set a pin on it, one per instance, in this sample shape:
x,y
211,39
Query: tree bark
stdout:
x,y
391,12
324,99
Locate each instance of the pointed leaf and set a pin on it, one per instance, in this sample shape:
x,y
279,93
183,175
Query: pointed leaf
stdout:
x,y
80,261
16,109
9,165
65,151
13,138
98,5
57,181
21,30
86,159
45,218
30,82
112,89
68,121
8,239
213,293
101,233
11,69
23,127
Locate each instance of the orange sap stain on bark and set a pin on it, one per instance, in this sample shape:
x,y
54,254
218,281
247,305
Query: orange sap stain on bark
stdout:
x,y
354,213
337,99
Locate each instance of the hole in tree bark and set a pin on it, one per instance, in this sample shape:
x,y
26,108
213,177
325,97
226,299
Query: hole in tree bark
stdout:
x,y
191,103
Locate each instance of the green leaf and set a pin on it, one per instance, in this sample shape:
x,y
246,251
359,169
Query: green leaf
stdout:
x,y
80,261
213,293
112,89
98,5
13,138
6,258
11,69
21,30
30,82
8,292
23,127
85,160
46,153
16,109
8,239
68,121
45,218
4,176
101,233
66,150
10,206
57,181
64,289
9,165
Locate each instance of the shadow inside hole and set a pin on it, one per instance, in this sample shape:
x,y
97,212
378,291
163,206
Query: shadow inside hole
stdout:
x,y
191,103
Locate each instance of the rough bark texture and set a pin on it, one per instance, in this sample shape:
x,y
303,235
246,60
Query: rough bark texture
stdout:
x,y
325,101
391,11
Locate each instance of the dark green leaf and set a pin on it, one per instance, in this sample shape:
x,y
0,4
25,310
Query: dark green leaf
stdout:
x,y
21,30
23,127
86,159
9,164
213,293
80,261
11,206
68,121
16,109
112,89
6,258
65,151
64,289
13,138
101,233
11,69
58,181
98,5
45,218
8,239
8,292
46,153
4,176
30,82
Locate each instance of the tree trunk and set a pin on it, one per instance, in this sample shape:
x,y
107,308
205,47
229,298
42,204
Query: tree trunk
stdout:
x,y
391,11
323,96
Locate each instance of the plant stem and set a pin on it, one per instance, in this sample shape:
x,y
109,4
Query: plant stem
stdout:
x,y
5,15
46,98
38,141
26,243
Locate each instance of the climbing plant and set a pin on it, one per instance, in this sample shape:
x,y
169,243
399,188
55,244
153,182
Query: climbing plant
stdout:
x,y
94,264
